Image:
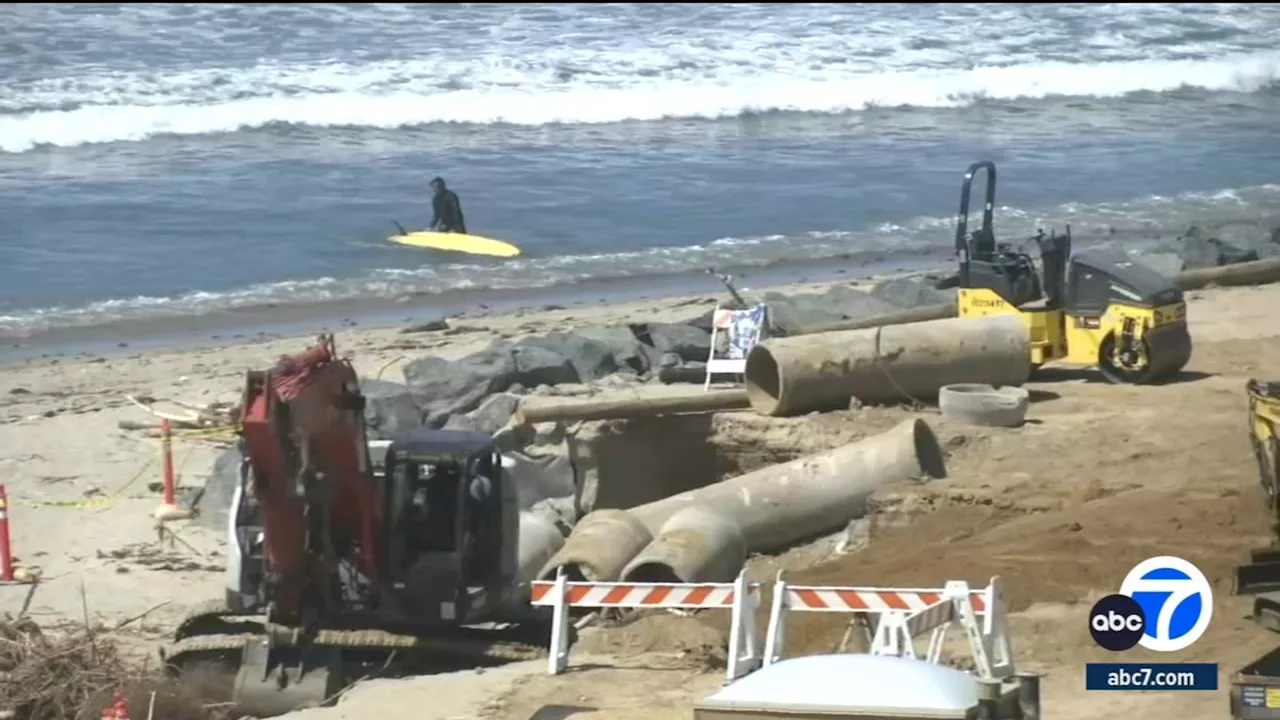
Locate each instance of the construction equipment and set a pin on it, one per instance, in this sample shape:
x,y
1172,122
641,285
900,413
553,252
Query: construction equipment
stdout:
x,y
1087,309
339,560
1255,688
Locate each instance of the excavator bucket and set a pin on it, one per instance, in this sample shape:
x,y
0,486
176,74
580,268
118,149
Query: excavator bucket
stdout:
x,y
274,681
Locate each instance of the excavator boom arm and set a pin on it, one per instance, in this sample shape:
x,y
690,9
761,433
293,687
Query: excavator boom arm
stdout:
x,y
305,442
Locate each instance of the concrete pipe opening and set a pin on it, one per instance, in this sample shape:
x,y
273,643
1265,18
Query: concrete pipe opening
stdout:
x,y
652,572
599,547
695,545
928,451
763,380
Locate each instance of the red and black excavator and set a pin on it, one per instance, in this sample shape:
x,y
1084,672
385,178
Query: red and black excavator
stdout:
x,y
338,559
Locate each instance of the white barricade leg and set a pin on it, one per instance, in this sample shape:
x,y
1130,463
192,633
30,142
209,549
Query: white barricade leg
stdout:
x,y
751,629
559,656
848,634
743,655
996,633
776,635
711,354
938,637
908,643
892,637
958,591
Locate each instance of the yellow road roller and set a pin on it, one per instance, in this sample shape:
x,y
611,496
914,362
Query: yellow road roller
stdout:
x,y
1093,308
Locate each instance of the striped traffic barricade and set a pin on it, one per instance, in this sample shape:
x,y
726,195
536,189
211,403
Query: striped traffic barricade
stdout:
x,y
901,615
740,597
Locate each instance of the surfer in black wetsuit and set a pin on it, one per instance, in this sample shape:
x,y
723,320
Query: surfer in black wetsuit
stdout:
x,y
446,209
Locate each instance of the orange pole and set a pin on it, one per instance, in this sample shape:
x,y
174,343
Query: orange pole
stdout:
x,y
6,554
166,445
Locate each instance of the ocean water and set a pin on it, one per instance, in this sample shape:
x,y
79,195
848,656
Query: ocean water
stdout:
x,y
178,160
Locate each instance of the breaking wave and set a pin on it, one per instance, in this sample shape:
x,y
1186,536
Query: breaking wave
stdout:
x,y
397,95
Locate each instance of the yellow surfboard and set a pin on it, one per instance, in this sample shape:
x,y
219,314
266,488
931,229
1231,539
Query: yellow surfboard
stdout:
x,y
456,242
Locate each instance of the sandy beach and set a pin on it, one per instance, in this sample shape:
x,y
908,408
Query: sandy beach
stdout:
x,y
1102,476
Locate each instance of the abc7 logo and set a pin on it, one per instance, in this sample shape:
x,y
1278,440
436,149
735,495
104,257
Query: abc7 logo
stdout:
x,y
1165,604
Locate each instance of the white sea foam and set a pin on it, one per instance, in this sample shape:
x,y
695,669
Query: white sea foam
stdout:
x,y
334,102
368,66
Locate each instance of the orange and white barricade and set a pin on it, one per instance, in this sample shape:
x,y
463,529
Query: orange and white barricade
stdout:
x,y
902,615
740,597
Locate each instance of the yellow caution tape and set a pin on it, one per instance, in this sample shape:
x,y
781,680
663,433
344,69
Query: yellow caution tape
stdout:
x,y
208,432
97,502
89,503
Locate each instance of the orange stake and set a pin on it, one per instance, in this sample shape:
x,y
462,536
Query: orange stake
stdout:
x,y
6,554
166,445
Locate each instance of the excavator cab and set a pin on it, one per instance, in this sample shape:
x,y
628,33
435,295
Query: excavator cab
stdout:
x,y
443,501
1092,309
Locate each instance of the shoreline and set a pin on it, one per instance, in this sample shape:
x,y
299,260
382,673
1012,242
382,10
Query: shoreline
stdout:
x,y
260,323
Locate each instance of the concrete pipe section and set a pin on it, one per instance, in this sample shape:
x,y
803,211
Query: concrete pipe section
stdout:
x,y
773,507
694,546
896,363
600,546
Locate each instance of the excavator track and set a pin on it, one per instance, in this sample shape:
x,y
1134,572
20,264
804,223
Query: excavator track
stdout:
x,y
265,682
186,649
211,618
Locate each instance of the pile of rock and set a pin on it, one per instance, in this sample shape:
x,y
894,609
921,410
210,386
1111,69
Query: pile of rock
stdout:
x,y
1218,244
480,391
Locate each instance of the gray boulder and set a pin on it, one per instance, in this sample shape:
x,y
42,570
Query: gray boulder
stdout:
x,y
1166,263
788,313
855,304
684,341
541,366
1199,248
1261,236
701,322
492,415
690,372
389,408
907,293
589,357
442,387
628,353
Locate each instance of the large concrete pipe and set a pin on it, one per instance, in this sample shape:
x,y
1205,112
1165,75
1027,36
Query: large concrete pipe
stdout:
x,y
773,507
694,546
783,504
895,363
599,547
923,313
1256,272
537,542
